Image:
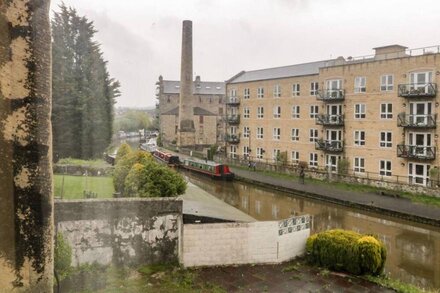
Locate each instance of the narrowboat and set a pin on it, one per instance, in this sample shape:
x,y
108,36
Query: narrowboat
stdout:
x,y
209,168
166,158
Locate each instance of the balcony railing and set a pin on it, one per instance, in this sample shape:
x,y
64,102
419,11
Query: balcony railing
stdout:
x,y
419,152
417,121
233,119
418,90
331,95
233,101
330,120
232,138
329,145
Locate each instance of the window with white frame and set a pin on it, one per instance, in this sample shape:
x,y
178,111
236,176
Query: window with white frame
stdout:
x,y
246,151
260,112
260,132
386,83
385,168
257,206
313,135
386,111
313,160
314,109
246,93
295,157
246,132
246,112
233,92
295,111
360,84
296,90
276,133
359,165
260,153
276,155
359,138
314,87
277,112
295,134
233,130
260,92
276,91
386,139
233,151
360,111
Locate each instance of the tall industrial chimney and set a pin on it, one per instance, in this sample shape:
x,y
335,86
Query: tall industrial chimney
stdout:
x,y
186,134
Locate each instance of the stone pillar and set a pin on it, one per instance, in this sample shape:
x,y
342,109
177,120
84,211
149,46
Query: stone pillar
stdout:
x,y
186,133
26,205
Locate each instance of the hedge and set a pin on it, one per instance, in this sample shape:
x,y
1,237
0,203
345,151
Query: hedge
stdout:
x,y
347,251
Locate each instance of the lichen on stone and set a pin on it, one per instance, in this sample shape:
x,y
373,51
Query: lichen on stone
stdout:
x,y
17,13
15,127
22,179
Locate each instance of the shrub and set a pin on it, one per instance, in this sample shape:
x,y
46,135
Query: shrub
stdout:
x,y
124,165
62,256
347,251
123,150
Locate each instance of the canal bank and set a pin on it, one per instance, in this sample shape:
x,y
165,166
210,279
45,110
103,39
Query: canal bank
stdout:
x,y
383,204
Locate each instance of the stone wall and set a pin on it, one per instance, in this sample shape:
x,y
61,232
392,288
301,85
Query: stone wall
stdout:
x,y
243,243
121,231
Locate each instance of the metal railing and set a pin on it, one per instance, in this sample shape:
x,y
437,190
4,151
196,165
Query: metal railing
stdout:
x,y
329,145
331,95
418,90
233,101
418,152
232,138
330,120
417,121
233,119
407,53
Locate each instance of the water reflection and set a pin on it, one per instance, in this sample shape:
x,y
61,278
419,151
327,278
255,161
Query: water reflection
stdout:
x,y
413,249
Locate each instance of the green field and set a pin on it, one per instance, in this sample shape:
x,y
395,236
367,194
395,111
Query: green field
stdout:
x,y
73,187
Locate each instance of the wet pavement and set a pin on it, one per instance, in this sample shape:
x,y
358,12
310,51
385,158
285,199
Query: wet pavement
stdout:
x,y
294,276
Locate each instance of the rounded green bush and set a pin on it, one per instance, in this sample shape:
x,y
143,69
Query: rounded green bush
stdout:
x,y
347,251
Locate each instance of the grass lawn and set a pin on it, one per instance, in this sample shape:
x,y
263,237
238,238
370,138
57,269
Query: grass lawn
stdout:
x,y
98,163
74,186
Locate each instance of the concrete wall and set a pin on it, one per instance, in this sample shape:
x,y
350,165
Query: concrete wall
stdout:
x,y
242,243
121,231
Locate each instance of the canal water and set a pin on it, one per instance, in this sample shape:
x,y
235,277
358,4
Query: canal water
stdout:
x,y
413,249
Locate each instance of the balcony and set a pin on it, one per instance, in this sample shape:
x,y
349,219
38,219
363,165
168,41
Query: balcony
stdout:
x,y
418,152
233,101
233,119
330,120
331,95
335,146
232,138
416,121
418,90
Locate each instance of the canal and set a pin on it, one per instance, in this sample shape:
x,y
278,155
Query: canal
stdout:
x,y
413,249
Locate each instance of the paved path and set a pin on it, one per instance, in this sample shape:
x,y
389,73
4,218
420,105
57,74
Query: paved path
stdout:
x,y
399,207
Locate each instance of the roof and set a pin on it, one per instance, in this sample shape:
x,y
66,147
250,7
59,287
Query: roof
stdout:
x,y
196,111
281,72
203,88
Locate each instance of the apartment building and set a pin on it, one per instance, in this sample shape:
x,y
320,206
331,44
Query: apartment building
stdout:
x,y
378,113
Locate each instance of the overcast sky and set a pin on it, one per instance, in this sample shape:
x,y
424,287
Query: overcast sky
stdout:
x,y
141,39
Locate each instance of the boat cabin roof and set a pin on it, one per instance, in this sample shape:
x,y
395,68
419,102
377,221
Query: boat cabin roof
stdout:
x,y
209,163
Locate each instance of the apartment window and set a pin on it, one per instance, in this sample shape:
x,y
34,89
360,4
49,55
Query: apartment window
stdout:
x,y
314,109
295,157
313,135
359,138
295,134
233,130
246,151
386,139
260,92
246,112
385,168
386,111
233,92
386,83
277,91
295,90
246,132
260,112
233,151
277,112
246,94
360,84
260,153
276,156
277,133
359,111
314,87
359,165
313,160
259,132
295,111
